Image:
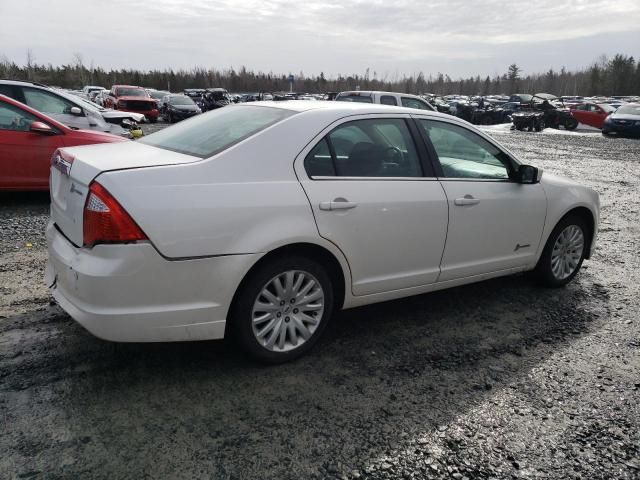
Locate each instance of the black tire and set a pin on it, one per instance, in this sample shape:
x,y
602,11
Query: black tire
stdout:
x,y
540,125
170,118
519,126
570,124
543,271
242,309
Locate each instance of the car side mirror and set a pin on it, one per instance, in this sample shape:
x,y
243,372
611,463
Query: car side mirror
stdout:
x,y
42,128
76,111
528,174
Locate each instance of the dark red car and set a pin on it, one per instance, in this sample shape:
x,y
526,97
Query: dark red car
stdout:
x,y
591,113
27,141
132,99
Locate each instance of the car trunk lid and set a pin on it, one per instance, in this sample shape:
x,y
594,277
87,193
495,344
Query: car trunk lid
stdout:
x,y
73,169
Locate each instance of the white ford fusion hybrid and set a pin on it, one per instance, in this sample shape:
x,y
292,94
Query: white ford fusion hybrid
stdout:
x,y
261,220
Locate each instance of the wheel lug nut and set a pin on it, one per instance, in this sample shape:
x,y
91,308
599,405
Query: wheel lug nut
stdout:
x,y
286,319
293,300
278,314
282,302
295,310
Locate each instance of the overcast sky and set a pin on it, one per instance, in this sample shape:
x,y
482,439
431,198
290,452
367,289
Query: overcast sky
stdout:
x,y
458,37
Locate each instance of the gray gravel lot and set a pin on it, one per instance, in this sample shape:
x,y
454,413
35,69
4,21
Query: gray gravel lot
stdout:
x,y
495,380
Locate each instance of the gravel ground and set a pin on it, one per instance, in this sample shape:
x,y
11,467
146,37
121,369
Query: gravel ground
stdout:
x,y
496,380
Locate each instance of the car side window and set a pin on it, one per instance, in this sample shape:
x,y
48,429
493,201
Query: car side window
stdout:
x,y
366,148
388,100
46,102
15,119
319,162
465,154
413,103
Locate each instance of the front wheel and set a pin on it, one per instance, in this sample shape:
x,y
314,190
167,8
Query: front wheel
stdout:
x,y
564,252
282,309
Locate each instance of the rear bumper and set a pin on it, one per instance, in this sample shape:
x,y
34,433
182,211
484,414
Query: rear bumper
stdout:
x,y
129,293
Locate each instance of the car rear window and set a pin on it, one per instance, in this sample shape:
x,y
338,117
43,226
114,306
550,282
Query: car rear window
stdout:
x,y
206,135
354,98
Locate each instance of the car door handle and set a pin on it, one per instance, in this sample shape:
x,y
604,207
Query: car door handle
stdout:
x,y
466,200
338,204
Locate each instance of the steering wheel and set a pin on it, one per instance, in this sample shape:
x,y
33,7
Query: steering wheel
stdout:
x,y
394,154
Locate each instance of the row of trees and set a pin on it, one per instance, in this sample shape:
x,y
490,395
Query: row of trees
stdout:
x,y
619,75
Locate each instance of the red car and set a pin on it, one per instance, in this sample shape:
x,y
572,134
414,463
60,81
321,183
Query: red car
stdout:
x,y
27,141
592,113
132,99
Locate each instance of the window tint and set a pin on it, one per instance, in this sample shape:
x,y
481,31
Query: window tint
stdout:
x,y
354,98
9,91
464,154
388,100
46,102
319,162
15,119
206,135
414,103
368,148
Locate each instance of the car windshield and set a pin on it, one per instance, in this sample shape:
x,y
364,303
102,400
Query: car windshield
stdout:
x,y
80,102
157,94
132,92
206,135
629,109
180,100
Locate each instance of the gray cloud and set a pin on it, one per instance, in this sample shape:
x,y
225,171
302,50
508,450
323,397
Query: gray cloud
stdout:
x,y
459,37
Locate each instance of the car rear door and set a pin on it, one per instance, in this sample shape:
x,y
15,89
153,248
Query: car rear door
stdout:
x,y
375,198
495,223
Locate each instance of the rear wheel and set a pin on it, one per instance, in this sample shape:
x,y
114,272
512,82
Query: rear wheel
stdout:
x,y
564,252
282,309
570,124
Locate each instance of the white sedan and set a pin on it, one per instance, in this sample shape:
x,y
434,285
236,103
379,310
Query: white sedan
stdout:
x,y
262,220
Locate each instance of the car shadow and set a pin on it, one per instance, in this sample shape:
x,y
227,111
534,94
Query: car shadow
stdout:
x,y
381,377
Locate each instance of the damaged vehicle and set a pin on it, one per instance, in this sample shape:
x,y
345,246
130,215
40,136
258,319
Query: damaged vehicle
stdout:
x,y
215,98
544,110
70,110
178,107
132,99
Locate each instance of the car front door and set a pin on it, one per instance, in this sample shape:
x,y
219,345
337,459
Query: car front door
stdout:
x,y
24,155
373,194
56,106
495,223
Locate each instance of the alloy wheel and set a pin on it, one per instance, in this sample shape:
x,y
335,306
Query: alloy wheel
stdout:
x,y
288,310
567,252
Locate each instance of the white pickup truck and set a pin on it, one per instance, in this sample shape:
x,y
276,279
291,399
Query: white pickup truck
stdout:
x,y
385,98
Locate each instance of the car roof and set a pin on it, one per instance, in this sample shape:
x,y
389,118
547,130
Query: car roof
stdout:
x,y
340,108
369,92
7,81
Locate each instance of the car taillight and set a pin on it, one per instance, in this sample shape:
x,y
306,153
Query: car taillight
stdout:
x,y
105,221
62,161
